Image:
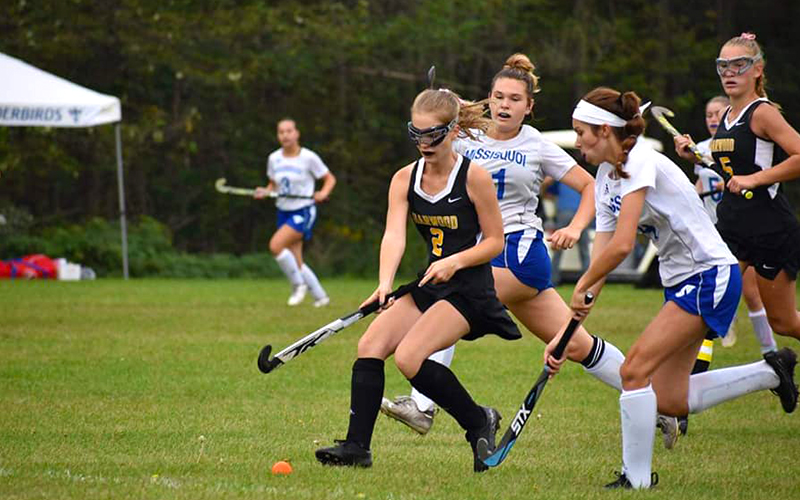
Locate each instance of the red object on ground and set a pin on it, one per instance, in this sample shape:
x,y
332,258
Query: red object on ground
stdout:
x,y
37,266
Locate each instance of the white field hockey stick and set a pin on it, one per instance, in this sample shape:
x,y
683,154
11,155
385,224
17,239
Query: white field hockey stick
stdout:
x,y
660,113
225,189
493,458
267,364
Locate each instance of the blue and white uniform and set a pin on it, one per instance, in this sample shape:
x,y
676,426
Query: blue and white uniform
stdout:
x,y
709,181
699,272
518,167
296,175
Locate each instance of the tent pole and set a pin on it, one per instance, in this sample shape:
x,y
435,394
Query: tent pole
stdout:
x,y
121,185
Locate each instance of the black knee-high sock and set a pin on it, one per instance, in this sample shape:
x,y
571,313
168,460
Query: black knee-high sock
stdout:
x,y
366,390
441,385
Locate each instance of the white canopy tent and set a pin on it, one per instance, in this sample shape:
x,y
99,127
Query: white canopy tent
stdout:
x,y
30,97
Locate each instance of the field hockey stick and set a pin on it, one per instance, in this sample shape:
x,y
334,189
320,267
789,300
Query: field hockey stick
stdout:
x,y
660,113
267,364
496,457
709,193
225,189
431,76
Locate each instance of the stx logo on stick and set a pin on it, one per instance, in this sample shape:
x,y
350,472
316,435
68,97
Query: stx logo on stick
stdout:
x,y
519,420
495,457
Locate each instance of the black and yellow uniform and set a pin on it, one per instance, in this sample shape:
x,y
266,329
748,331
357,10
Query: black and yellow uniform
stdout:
x,y
762,231
449,224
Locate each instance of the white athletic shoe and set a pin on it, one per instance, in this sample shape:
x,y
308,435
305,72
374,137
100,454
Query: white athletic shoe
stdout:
x,y
730,338
669,430
404,409
324,301
298,294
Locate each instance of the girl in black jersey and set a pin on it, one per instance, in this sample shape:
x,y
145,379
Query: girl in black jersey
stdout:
x,y
756,145
454,207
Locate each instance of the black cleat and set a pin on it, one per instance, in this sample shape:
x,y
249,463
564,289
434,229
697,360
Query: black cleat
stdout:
x,y
683,425
783,362
487,433
622,481
345,453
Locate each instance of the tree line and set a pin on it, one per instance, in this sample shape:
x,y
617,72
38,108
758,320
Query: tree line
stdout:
x,y
203,84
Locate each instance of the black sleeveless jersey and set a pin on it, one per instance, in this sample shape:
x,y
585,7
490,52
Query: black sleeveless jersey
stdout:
x,y
739,151
447,220
449,224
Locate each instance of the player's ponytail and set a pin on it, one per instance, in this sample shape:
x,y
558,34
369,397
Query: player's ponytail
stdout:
x,y
634,125
626,106
446,105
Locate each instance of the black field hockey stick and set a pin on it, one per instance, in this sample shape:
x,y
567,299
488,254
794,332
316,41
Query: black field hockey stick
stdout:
x,y
266,364
709,193
660,113
222,187
493,458
431,76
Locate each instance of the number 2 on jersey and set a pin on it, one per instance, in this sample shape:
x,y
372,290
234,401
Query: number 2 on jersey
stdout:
x,y
500,179
437,239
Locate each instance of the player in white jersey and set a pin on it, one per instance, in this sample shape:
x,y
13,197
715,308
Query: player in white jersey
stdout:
x,y
709,183
293,170
641,190
518,159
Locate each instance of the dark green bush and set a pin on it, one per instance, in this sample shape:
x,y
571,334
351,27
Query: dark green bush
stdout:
x,y
335,250
97,244
183,265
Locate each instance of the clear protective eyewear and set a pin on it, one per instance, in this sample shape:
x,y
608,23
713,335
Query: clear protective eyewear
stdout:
x,y
737,65
431,136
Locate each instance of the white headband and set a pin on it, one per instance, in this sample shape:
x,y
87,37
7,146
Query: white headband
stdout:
x,y
595,115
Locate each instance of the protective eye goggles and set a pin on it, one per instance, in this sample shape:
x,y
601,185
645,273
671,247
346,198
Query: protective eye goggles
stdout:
x,y
431,136
737,65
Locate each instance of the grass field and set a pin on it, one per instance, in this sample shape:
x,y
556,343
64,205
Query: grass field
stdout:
x,y
149,389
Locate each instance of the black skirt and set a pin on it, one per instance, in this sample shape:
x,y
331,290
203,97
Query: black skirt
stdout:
x,y
471,292
768,253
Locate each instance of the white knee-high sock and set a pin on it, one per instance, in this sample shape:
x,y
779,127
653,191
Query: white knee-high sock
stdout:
x,y
605,367
763,330
717,386
288,265
638,415
313,283
443,357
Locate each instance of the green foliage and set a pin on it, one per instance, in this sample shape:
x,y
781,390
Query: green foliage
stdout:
x,y
203,84
15,220
97,244
183,265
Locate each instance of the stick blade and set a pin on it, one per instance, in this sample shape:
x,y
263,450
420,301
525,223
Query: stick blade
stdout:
x,y
265,364
661,111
